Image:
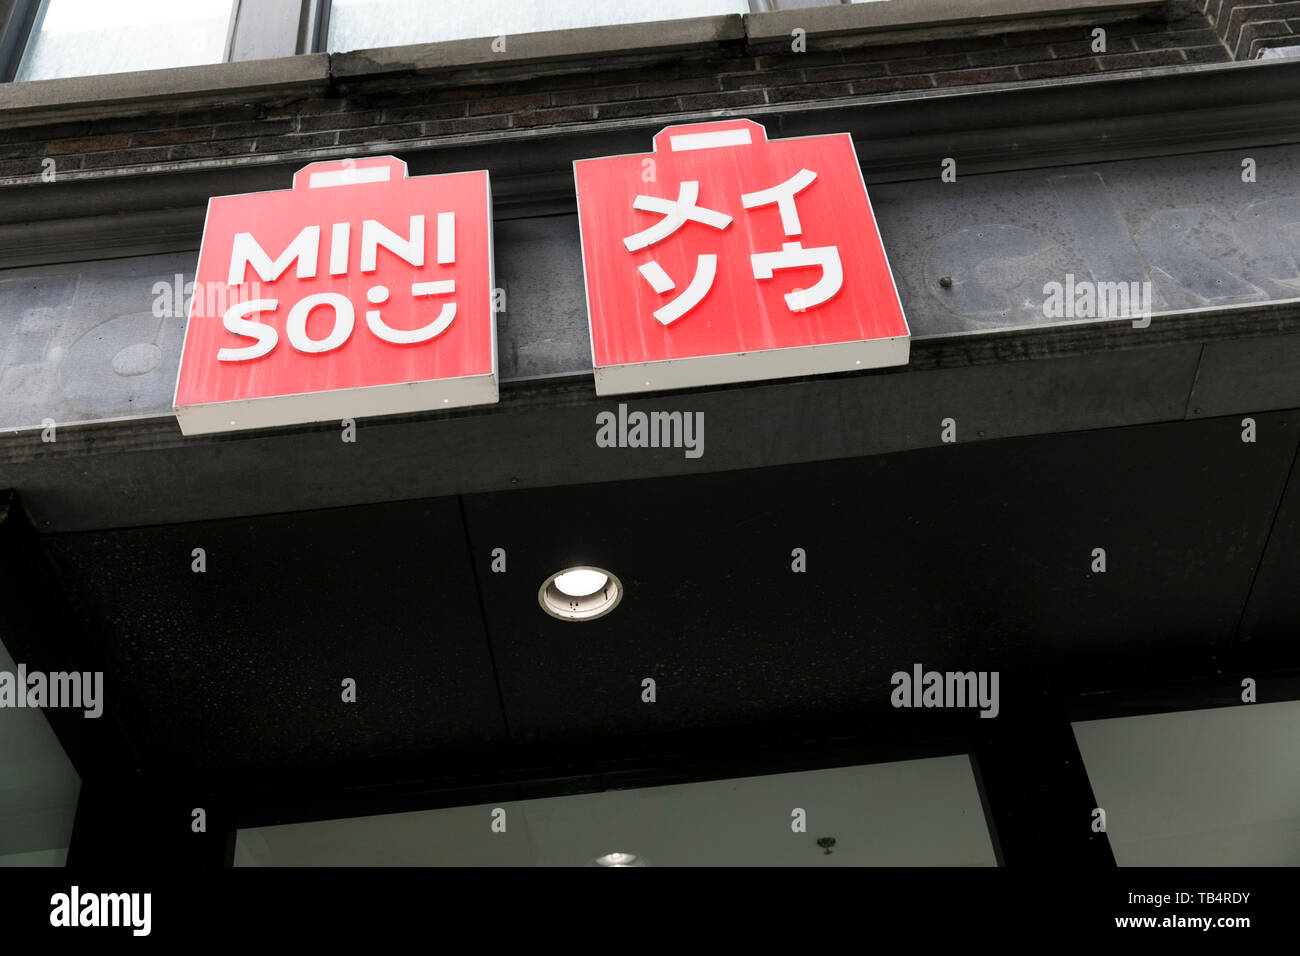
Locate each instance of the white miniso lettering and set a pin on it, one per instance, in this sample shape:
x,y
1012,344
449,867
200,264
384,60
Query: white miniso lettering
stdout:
x,y
240,319
340,242
103,909
375,234
234,320
247,252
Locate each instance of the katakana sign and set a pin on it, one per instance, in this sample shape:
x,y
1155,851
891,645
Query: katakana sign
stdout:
x,y
358,292
723,257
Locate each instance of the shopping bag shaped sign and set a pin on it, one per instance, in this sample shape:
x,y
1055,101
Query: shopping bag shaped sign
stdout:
x,y
723,257
360,291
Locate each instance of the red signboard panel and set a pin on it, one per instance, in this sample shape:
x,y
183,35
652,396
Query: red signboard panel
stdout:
x,y
724,257
358,292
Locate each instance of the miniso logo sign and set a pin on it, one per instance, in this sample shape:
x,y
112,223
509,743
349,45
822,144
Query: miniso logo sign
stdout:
x,y
723,256
359,291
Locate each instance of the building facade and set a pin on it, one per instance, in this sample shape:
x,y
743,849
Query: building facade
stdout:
x,y
1074,505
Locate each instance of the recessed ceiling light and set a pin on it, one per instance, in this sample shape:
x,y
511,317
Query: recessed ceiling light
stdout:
x,y
621,859
581,582
580,594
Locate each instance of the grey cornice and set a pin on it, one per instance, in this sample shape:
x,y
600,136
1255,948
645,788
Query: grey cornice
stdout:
x,y
147,91
1193,329
143,209
908,20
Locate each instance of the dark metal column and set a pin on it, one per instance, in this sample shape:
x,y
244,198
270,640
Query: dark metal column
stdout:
x,y
1036,793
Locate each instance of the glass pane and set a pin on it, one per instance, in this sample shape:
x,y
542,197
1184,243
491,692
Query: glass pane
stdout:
x,y
85,37
910,813
38,786
361,24
1214,787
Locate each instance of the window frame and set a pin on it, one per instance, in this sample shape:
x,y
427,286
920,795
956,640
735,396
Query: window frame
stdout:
x,y
24,23
316,19
15,28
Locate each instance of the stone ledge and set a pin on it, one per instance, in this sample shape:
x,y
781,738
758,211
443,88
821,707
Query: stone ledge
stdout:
x,y
908,19
539,47
117,94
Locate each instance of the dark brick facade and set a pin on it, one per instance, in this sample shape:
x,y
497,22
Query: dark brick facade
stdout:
x,y
1248,26
391,111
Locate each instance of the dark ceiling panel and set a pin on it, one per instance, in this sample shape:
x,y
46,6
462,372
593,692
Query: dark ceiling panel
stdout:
x,y
971,556
240,668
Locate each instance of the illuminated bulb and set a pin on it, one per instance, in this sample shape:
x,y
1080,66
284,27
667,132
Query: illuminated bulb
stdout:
x,y
581,582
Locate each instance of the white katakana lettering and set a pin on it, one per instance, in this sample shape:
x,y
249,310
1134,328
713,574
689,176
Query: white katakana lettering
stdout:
x,y
783,195
706,268
675,213
792,256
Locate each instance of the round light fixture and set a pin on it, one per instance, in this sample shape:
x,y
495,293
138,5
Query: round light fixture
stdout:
x,y
581,582
621,859
580,594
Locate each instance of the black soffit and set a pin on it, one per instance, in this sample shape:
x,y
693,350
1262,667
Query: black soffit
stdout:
x,y
970,556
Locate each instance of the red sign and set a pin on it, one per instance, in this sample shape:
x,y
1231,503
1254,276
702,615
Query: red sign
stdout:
x,y
723,257
358,292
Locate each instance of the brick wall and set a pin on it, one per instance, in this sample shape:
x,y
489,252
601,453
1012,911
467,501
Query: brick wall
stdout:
x,y
419,107
1248,26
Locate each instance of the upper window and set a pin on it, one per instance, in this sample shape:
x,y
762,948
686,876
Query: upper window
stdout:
x,y
363,24
48,39
85,37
